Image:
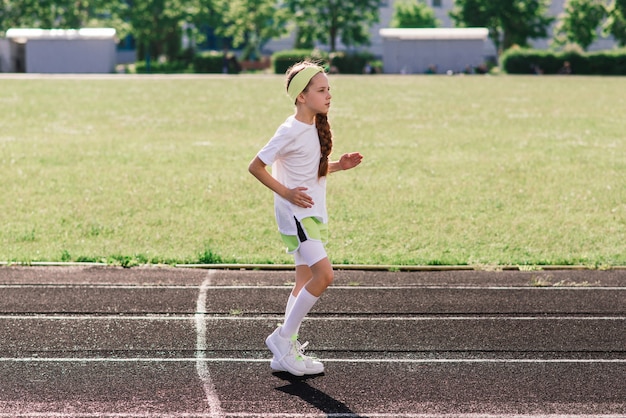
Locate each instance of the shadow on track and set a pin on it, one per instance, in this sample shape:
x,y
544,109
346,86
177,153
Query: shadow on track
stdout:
x,y
299,387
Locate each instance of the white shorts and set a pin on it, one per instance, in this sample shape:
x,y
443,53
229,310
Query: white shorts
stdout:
x,y
309,252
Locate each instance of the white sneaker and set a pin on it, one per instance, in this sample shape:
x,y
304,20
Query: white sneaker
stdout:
x,y
312,364
286,353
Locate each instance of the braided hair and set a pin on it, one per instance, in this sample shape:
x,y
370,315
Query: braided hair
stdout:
x,y
321,123
326,142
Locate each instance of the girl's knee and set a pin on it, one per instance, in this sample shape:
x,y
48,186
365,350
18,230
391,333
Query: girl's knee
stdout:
x,y
323,276
328,277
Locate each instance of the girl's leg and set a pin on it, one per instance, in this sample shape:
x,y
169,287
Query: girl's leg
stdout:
x,y
283,341
323,276
313,269
303,275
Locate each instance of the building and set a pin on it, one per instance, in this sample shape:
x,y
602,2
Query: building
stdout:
x,y
89,50
436,50
59,51
442,9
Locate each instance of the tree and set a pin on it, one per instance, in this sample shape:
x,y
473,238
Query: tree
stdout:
x,y
413,14
330,20
252,23
616,22
579,22
157,25
510,22
62,14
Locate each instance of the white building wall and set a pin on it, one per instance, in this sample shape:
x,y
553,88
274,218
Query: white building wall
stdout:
x,y
90,50
411,57
70,56
440,50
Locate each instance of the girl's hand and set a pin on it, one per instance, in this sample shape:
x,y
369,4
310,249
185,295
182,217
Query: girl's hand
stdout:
x,y
351,160
299,198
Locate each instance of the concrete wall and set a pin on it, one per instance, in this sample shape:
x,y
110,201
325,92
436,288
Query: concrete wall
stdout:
x,y
416,51
70,56
90,50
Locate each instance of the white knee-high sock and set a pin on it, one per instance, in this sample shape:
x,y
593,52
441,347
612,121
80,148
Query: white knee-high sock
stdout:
x,y
303,304
290,302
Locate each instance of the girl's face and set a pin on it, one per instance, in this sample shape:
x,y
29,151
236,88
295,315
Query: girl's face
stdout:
x,y
317,96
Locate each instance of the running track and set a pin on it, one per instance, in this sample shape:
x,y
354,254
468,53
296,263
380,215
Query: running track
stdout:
x,y
165,342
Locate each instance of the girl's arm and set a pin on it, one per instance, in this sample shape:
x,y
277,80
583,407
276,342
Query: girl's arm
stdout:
x,y
346,162
297,196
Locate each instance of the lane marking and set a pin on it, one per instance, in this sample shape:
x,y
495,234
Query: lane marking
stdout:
x,y
296,415
288,286
205,360
328,317
201,347
412,415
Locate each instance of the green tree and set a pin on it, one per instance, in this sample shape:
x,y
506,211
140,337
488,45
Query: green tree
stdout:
x,y
62,14
252,23
579,23
413,14
616,22
328,21
157,25
510,22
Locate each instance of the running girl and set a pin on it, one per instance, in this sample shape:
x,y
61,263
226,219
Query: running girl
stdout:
x,y
299,156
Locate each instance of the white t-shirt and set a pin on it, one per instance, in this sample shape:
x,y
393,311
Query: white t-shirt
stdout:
x,y
294,154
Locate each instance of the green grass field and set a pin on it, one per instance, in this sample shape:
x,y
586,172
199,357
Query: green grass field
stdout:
x,y
478,171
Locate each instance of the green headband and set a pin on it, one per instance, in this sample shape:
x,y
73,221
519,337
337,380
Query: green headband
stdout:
x,y
301,80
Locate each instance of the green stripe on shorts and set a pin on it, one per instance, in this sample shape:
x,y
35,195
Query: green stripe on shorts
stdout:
x,y
314,229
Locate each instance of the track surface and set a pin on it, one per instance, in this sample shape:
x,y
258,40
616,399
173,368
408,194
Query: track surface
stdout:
x,y
163,342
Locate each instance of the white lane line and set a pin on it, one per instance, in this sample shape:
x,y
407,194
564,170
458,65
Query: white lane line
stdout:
x,y
201,346
98,286
209,317
105,415
411,415
205,360
287,287
296,415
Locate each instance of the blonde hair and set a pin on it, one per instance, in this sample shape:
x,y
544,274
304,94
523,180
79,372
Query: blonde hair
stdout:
x,y
321,121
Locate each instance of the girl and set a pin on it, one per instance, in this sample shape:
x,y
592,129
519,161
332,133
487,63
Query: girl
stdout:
x,y
299,155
